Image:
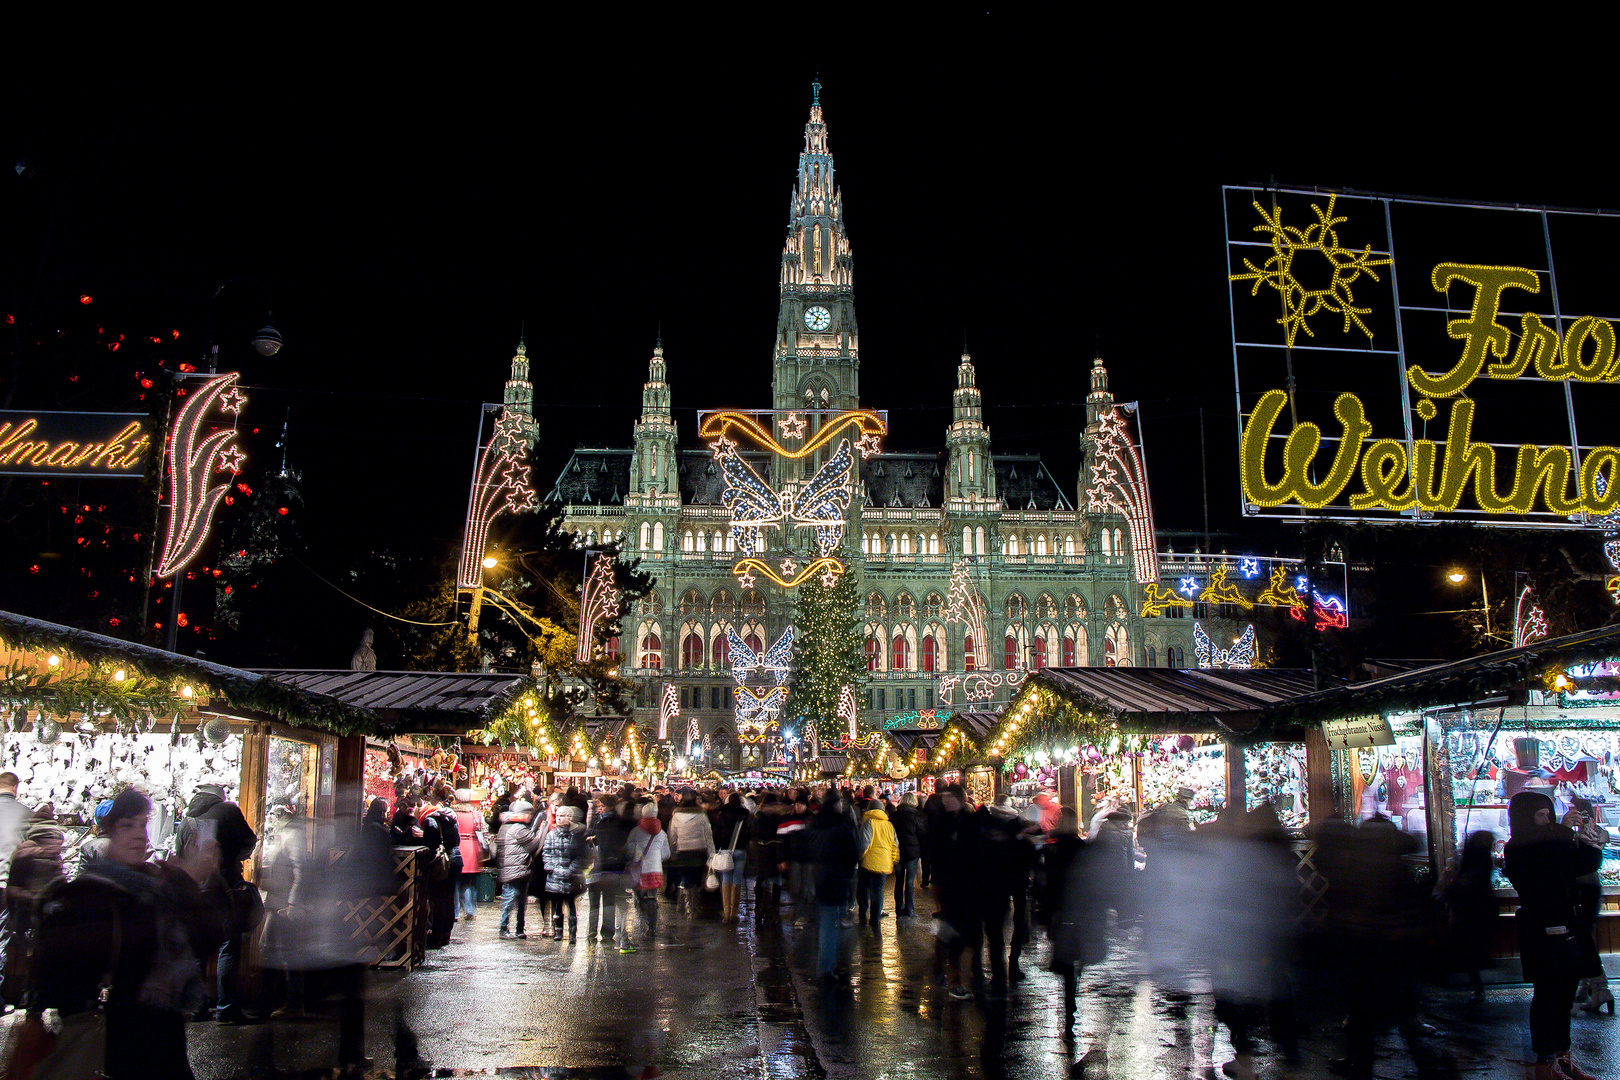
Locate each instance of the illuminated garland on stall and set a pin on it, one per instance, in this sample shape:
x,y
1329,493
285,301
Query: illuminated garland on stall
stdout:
x,y
523,723
955,747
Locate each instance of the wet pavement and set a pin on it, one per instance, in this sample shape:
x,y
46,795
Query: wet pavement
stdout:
x,y
741,1000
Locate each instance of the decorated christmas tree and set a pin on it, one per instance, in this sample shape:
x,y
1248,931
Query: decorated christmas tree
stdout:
x,y
829,654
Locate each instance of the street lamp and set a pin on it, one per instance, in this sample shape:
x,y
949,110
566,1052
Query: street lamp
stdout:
x,y
1457,576
267,341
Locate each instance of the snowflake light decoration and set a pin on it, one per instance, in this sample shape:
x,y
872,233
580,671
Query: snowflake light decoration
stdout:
x,y
1344,268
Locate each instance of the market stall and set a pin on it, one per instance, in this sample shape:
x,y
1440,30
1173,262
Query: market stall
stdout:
x,y
1444,748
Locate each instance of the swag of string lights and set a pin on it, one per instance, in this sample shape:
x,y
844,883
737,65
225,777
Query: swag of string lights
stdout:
x,y
500,485
194,458
820,503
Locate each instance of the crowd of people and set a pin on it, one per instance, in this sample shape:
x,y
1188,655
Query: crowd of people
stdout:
x,y
123,938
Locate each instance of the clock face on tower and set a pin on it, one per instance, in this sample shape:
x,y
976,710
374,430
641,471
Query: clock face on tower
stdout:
x,y
818,318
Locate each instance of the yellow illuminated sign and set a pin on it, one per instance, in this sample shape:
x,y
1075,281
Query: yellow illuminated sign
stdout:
x,y
72,444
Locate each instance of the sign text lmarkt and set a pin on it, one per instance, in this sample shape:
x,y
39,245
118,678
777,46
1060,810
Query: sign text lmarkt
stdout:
x,y
1485,352
64,444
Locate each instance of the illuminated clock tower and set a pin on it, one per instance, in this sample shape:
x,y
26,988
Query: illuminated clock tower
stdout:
x,y
816,364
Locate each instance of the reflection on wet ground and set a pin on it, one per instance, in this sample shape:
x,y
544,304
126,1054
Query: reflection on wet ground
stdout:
x,y
734,1001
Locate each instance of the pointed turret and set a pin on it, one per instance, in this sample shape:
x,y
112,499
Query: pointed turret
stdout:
x,y
652,467
970,475
519,395
817,351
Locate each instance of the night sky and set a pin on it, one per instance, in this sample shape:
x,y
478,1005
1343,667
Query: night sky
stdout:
x,y
405,202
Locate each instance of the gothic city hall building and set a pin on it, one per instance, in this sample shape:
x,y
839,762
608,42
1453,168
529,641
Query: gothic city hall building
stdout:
x,y
974,566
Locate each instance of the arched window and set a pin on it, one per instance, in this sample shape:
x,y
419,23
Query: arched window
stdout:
x,y
967,540
874,654
1046,607
1076,650
929,648
1038,657
978,540
905,607
1068,545
905,543
658,536
1119,544
1040,544
1107,547
613,651
702,540
1152,656
691,603
1074,607
1012,544
691,650
876,607
646,535
900,653
1068,651
720,650
687,543
970,657
933,604
723,606
753,604
651,605
1117,646
1017,608
933,543
652,651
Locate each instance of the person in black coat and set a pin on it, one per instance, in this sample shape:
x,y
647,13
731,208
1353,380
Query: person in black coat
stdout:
x,y
909,829
1542,860
209,813
932,808
955,846
834,853
1470,901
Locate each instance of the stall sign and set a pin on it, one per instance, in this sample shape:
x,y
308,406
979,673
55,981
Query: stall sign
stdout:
x,y
1358,731
89,444
1441,366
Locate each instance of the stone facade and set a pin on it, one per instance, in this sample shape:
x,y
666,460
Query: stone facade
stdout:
x,y
1056,582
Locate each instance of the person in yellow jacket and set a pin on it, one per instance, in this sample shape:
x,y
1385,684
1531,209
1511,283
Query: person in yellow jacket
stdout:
x,y
879,852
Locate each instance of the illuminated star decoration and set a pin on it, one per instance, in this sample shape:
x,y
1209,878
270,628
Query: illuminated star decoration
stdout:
x,y
232,401
1210,655
829,578
1118,485
867,445
192,457
1188,586
1529,621
1343,268
231,460
598,604
745,580
792,426
500,484
789,567
723,446
1249,567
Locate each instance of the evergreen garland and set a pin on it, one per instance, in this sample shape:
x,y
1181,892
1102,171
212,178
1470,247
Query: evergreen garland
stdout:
x,y
828,652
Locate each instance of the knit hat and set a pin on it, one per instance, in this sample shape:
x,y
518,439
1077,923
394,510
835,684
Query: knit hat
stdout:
x,y
128,803
102,808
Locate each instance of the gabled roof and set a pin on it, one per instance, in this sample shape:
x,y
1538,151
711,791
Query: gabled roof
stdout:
x,y
1178,699
414,702
599,476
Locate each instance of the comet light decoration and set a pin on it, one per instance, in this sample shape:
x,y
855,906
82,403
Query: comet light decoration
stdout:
x,y
1118,485
848,712
669,710
759,709
1240,657
965,605
1529,621
500,485
194,458
598,605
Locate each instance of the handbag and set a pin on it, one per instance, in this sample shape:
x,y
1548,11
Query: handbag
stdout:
x,y
712,882
723,862
439,866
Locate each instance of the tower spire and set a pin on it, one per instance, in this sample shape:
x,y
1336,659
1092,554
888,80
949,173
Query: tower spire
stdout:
x,y
519,394
652,466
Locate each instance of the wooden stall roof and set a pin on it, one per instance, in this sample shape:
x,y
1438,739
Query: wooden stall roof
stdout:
x,y
234,688
1454,682
415,702
1177,699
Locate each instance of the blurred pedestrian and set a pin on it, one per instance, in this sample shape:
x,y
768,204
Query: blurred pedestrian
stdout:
x,y
565,856
910,826
144,928
13,823
36,865
1469,896
733,827
691,837
472,840
209,813
1593,992
835,853
1542,860
1073,908
517,845
955,848
879,852
609,917
648,847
